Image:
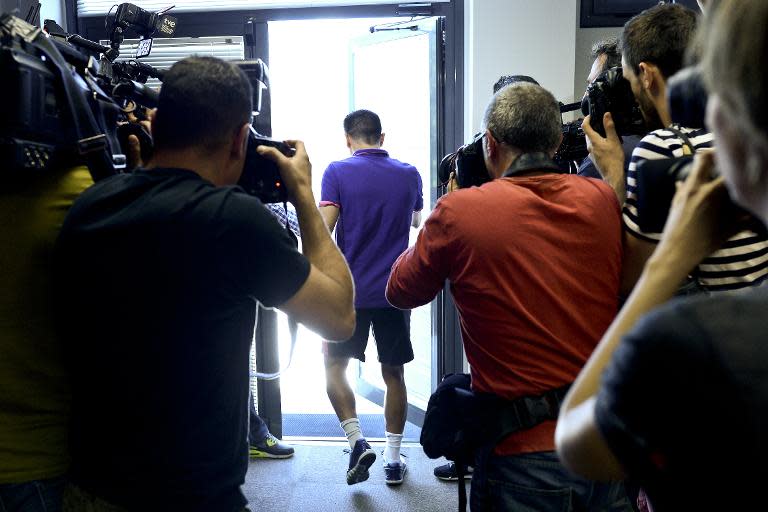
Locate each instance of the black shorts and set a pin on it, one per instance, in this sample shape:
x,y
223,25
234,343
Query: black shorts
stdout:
x,y
391,331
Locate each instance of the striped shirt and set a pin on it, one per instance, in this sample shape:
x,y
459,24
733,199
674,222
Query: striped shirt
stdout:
x,y
743,260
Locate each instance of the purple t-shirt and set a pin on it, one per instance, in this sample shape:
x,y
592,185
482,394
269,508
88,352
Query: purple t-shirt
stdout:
x,y
376,196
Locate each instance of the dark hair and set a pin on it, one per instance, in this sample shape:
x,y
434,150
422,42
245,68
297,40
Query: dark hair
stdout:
x,y
363,125
660,36
203,101
525,116
506,80
609,48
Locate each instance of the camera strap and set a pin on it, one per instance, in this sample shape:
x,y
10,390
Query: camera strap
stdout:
x,y
293,328
292,228
530,162
688,147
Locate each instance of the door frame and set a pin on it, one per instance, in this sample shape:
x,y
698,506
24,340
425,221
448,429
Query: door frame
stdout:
x,y
447,350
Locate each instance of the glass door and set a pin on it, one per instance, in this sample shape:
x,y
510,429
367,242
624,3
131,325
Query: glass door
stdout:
x,y
394,72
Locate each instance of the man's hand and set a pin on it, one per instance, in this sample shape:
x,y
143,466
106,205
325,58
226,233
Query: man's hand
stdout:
x,y
453,183
295,170
701,218
133,155
607,154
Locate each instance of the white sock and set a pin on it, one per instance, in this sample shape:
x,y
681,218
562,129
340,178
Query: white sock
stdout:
x,y
352,430
392,451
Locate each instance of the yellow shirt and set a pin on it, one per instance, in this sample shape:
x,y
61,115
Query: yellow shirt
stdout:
x,y
34,394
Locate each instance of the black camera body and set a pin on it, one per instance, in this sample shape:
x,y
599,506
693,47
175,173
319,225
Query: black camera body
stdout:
x,y
656,186
261,176
611,92
466,163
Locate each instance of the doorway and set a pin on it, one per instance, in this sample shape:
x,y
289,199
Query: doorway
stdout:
x,y
320,70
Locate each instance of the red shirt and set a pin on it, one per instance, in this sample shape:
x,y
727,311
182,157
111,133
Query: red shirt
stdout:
x,y
534,265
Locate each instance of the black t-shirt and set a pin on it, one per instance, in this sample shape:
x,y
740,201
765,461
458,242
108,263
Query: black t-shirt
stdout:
x,y
163,271
684,402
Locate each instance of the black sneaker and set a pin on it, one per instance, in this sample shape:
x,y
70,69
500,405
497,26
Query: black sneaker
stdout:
x,y
360,459
270,448
447,472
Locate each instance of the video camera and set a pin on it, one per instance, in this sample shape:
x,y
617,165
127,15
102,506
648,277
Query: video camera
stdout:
x,y
573,148
144,23
65,104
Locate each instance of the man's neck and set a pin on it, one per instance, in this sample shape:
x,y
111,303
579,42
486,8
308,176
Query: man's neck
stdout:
x,y
359,146
660,102
503,162
191,160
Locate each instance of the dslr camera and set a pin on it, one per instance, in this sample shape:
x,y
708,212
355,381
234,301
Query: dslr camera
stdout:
x,y
611,92
466,164
261,177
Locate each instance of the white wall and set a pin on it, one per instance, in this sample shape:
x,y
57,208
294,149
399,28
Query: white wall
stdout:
x,y
53,10
517,37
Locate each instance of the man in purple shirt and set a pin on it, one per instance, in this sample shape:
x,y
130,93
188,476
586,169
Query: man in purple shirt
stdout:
x,y
372,200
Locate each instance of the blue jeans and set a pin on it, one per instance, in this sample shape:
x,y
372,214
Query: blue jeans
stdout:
x,y
538,482
32,496
257,429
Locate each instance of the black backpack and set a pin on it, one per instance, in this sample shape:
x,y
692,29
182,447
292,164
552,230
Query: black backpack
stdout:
x,y
459,422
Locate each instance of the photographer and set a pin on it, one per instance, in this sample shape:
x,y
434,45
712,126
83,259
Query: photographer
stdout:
x,y
701,365
653,46
167,264
531,312
606,55
34,390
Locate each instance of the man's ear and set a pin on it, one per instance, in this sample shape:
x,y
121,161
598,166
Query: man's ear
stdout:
x,y
650,78
491,145
349,140
381,139
560,141
240,142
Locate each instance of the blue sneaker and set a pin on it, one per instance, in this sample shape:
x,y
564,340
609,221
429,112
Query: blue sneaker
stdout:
x,y
394,472
360,459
